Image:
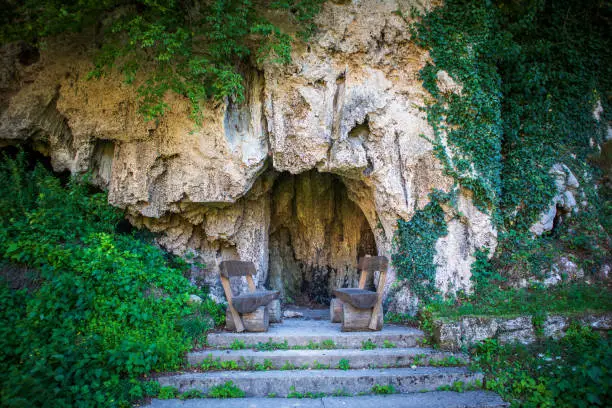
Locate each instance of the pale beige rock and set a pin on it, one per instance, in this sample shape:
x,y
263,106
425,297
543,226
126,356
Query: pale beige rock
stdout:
x,y
349,104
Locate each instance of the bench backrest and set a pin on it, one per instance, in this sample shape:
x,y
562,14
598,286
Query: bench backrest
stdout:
x,y
373,263
229,269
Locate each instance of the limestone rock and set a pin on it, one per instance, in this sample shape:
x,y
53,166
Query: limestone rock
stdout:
x,y
345,112
563,203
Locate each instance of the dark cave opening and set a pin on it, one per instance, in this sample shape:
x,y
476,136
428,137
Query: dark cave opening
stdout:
x,y
317,235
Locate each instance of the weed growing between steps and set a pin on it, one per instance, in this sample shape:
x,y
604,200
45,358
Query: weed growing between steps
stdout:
x,y
106,309
575,371
460,386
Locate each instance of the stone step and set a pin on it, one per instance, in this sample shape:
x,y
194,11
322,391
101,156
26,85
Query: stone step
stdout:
x,y
435,399
282,382
290,359
302,332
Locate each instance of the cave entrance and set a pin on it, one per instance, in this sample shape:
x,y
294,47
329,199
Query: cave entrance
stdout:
x,y
317,235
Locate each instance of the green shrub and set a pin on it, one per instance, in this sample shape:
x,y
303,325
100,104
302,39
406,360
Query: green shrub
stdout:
x,y
368,345
191,394
167,392
227,390
108,305
344,364
575,371
383,389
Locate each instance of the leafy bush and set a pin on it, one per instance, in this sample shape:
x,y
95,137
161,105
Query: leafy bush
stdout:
x,y
227,390
575,371
194,49
108,305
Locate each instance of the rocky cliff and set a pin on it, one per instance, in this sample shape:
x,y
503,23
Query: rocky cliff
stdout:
x,y
313,170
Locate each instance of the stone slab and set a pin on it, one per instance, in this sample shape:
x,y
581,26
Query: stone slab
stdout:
x,y
299,332
377,358
434,399
280,382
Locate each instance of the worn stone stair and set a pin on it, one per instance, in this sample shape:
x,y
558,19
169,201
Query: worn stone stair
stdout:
x,y
292,362
302,332
357,358
437,399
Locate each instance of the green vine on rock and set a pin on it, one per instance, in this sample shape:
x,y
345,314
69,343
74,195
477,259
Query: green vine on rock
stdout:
x,y
415,243
198,50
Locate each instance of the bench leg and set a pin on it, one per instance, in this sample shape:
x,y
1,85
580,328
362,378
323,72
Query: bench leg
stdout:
x,y
274,311
354,319
257,321
335,310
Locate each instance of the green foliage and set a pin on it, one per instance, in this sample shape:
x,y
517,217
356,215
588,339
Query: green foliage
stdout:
x,y
295,394
460,386
191,394
383,389
167,392
270,346
401,318
575,371
562,299
388,344
368,345
197,50
344,364
415,242
108,305
448,361
238,345
227,390
530,76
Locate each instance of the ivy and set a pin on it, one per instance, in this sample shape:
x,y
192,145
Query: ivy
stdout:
x,y
415,242
197,50
529,77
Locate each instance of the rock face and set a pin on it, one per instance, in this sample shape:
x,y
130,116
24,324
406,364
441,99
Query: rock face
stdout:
x,y
312,171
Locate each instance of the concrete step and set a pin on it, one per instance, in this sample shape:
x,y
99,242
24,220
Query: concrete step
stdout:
x,y
282,382
436,399
299,332
291,359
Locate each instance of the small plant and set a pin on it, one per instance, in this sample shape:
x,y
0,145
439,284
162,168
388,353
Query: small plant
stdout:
x,y
271,346
167,392
209,364
383,389
238,345
448,361
268,364
227,390
294,394
150,388
419,359
328,344
368,345
191,394
288,366
388,344
229,365
272,395
341,393
318,366
343,364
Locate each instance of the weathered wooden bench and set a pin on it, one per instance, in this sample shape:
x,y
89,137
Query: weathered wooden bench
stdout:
x,y
247,311
359,309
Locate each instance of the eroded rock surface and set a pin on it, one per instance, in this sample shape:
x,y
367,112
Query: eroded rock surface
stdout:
x,y
348,105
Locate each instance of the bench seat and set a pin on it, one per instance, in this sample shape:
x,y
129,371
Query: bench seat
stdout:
x,y
359,298
249,302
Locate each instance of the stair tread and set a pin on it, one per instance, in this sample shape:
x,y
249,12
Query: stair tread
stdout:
x,y
434,399
301,332
335,373
357,358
